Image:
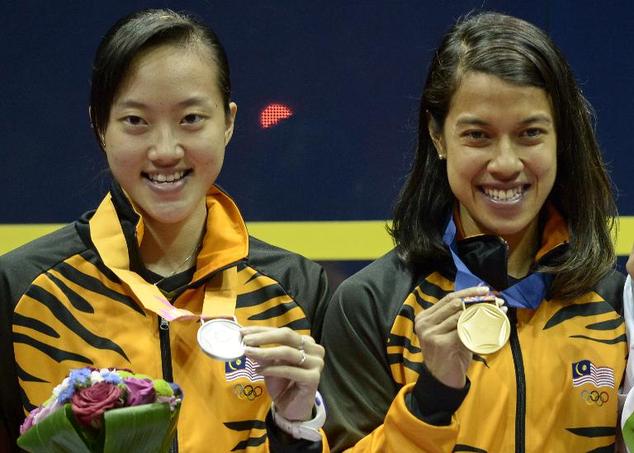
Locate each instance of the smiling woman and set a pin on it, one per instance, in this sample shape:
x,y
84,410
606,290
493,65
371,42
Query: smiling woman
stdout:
x,y
167,151
129,285
500,144
469,335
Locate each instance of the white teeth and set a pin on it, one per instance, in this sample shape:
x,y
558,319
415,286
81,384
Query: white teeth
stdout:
x,y
504,195
166,178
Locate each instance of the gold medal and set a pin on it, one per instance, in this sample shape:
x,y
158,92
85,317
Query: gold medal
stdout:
x,y
483,327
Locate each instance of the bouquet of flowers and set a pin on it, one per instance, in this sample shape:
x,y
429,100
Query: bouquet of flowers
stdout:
x,y
106,410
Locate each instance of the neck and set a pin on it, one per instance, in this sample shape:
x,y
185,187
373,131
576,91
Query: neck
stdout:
x,y
522,248
167,249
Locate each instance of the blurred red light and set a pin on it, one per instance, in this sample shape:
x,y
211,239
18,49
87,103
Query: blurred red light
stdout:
x,y
273,113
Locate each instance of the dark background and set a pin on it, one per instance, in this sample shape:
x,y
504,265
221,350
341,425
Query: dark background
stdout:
x,y
352,72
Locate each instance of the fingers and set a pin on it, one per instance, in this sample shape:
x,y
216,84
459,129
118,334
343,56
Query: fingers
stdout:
x,y
441,314
271,346
312,358
262,336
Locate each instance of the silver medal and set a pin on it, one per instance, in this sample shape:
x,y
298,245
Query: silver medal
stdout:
x,y
220,339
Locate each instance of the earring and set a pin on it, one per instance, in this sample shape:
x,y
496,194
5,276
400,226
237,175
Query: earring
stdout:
x,y
441,156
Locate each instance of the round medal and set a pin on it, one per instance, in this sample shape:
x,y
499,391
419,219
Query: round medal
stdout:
x,y
220,339
484,328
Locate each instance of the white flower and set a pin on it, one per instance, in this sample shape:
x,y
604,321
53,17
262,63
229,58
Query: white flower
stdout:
x,y
95,377
61,387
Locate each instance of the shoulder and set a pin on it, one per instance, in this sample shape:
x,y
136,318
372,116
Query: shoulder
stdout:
x,y
286,267
377,290
301,278
21,266
610,288
387,275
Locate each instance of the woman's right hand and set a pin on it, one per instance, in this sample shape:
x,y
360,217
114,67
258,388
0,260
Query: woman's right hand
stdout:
x,y
444,355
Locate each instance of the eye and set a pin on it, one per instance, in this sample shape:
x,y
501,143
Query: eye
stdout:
x,y
475,137
192,118
133,120
533,132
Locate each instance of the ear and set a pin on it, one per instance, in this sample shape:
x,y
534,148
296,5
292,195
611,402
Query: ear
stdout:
x,y
435,133
102,141
230,122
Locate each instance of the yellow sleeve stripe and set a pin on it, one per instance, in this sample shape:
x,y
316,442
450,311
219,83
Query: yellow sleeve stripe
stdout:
x,y
324,241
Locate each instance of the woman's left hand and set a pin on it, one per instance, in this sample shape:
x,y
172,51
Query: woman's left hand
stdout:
x,y
291,365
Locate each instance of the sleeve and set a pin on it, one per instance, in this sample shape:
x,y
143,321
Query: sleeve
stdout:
x,y
304,280
321,298
626,393
367,411
11,414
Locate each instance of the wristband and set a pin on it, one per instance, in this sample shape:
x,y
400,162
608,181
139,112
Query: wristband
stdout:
x,y
307,429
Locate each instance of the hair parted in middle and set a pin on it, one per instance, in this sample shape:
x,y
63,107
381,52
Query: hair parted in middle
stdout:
x,y
522,54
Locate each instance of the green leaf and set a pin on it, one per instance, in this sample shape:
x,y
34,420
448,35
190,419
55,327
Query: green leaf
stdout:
x,y
142,429
55,434
162,387
628,432
171,432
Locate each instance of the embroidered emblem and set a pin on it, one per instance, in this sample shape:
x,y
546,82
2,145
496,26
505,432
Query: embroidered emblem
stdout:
x,y
584,372
595,397
242,368
247,392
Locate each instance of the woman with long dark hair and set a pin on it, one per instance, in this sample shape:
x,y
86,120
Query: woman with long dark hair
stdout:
x,y
494,324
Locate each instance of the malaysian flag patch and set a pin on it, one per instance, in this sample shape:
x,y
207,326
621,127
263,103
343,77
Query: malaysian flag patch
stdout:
x,y
242,368
584,372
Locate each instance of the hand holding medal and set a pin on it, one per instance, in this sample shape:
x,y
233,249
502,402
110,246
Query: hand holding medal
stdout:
x,y
444,354
291,365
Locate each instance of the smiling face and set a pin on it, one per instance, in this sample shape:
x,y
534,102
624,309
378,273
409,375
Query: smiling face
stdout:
x,y
500,143
167,131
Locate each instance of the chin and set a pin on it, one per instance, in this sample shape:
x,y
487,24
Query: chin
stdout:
x,y
506,228
166,216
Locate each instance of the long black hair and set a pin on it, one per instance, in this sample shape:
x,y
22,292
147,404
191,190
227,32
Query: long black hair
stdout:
x,y
520,53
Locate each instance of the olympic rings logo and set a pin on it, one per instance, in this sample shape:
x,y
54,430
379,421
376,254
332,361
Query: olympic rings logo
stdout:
x,y
247,392
594,397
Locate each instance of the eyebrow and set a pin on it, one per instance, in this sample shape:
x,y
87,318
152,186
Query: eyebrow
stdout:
x,y
194,100
475,121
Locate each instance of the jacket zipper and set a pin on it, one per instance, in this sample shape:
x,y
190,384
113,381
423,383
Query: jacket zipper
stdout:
x,y
520,382
166,364
166,352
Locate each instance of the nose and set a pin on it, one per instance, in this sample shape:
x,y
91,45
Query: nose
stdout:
x,y
506,163
165,148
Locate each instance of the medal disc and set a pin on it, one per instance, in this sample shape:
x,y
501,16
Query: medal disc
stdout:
x,y
484,328
220,339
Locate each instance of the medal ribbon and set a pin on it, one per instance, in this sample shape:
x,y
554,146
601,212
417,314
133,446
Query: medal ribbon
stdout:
x,y
527,293
107,236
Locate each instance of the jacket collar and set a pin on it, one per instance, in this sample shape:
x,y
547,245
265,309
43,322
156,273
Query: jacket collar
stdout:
x,y
225,242
487,255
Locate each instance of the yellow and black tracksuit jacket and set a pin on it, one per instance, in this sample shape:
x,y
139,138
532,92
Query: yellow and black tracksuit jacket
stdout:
x,y
62,308
551,388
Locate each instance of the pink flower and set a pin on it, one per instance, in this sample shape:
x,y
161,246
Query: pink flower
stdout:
x,y
140,391
38,414
30,420
89,404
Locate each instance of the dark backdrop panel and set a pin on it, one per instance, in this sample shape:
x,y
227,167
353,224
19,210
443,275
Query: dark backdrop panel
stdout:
x,y
351,72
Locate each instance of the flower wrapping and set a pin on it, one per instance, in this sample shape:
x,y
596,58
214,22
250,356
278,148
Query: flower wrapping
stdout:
x,y
104,411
